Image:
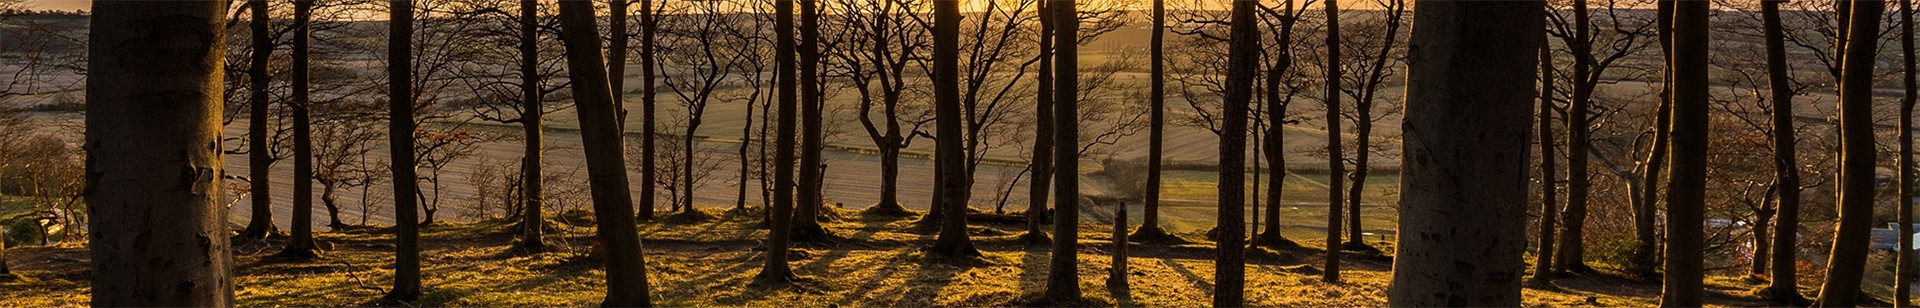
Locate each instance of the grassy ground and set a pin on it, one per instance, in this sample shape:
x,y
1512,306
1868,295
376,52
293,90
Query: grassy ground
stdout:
x,y
876,263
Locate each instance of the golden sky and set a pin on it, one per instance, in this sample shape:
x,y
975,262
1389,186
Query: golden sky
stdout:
x,y
64,5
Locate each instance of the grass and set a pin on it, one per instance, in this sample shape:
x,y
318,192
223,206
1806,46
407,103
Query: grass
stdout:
x,y
712,263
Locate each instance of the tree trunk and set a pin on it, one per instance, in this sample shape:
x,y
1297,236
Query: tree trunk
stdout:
x,y
1276,133
1572,254
159,229
1336,170
301,245
1687,177
259,160
1117,274
955,189
606,168
806,222
400,135
781,215
1543,257
1157,130
1646,205
649,176
1229,276
1903,274
1063,279
1042,182
531,115
1463,196
617,59
1856,179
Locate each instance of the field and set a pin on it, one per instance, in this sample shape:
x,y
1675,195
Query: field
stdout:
x,y
876,262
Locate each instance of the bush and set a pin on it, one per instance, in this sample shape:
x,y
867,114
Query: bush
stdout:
x,y
1619,250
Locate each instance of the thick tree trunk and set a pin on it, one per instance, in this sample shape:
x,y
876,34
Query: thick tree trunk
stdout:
x,y
1848,259
1687,177
301,245
781,215
1157,131
1903,274
158,229
606,167
1549,207
1229,276
648,174
400,130
1336,170
955,186
531,115
259,160
1063,279
1463,186
806,221
1042,182
1572,254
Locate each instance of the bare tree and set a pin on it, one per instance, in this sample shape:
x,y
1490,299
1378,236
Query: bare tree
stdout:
x,y
1856,187
780,216
259,163
1063,279
301,246
606,168
1335,168
1376,64
1784,287
875,61
156,185
1464,167
1903,272
955,185
1229,276
400,133
1686,196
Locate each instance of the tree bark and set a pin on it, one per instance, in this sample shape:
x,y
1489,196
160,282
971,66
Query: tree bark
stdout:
x,y
1572,254
301,245
531,115
159,230
1903,274
1464,178
1687,177
400,135
1543,257
806,222
617,44
1063,279
1229,276
1646,206
1043,136
1276,133
606,167
1336,170
1157,130
781,215
259,144
955,189
1856,187
648,174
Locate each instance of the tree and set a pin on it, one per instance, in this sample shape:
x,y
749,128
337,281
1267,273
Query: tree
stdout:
x,y
1157,130
259,164
1687,176
955,187
807,217
1335,168
876,62
1463,178
1543,257
648,55
1857,179
781,215
1784,287
606,167
1043,132
154,107
1063,279
531,114
1374,69
301,246
1903,273
400,132
1281,77
1229,276
1593,56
